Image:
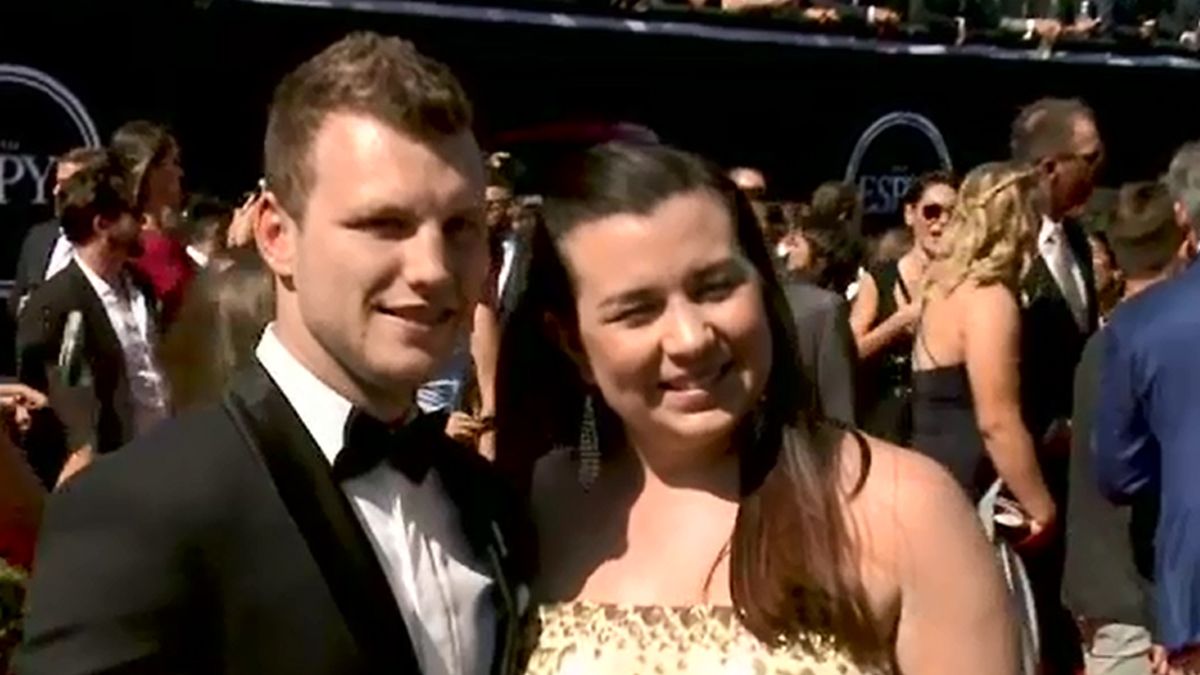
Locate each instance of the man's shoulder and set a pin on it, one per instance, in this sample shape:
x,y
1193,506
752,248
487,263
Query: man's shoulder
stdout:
x,y
807,298
193,460
1155,309
47,230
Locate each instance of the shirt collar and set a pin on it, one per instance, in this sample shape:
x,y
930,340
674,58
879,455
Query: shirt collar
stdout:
x,y
197,256
1050,230
322,410
102,287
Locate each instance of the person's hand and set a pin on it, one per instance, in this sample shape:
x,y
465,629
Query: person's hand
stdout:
x,y
1040,532
241,227
17,403
464,428
744,5
822,15
1083,27
77,461
884,16
1158,660
1049,30
909,314
1057,440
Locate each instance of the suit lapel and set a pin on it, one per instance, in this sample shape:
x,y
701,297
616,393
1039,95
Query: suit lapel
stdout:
x,y
105,348
326,520
103,334
485,517
1077,240
45,248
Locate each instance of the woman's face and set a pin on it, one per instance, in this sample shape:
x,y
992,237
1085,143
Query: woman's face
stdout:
x,y
929,217
672,324
164,181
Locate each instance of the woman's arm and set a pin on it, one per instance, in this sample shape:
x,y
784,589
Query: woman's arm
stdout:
x,y
992,325
871,340
955,615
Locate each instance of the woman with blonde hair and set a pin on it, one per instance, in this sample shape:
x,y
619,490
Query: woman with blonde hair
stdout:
x,y
966,400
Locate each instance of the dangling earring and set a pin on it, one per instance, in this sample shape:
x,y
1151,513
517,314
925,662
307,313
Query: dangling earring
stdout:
x,y
589,446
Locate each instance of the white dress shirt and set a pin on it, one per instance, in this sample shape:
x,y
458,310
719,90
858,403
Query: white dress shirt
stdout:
x,y
199,257
130,318
60,256
413,528
1056,252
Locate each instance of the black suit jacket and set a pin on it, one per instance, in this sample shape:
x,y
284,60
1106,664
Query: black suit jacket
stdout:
x,y
826,343
1051,340
39,338
34,259
220,543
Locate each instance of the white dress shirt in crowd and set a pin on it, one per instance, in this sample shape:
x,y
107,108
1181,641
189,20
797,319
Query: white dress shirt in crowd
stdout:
x,y
130,318
413,527
1056,252
60,256
199,257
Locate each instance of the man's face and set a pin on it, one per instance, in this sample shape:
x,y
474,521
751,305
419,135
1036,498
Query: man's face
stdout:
x,y
62,173
381,276
1075,171
499,207
124,234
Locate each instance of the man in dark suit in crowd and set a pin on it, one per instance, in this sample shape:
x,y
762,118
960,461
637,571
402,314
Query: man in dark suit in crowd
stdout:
x,y
1110,549
827,352
1059,139
118,320
1147,435
826,344
264,534
46,249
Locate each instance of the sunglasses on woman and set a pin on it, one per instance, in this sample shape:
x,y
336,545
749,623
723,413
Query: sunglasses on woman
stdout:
x,y
934,211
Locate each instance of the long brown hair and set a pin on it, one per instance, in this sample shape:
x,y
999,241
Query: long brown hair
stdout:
x,y
217,328
794,573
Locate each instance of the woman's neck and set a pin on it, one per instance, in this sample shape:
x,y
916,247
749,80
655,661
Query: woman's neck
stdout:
x,y
712,467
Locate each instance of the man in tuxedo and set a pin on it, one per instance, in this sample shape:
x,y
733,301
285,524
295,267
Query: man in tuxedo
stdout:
x,y
1059,139
46,249
118,312
312,522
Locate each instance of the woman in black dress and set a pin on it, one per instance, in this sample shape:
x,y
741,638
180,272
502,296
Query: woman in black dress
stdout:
x,y
966,400
886,309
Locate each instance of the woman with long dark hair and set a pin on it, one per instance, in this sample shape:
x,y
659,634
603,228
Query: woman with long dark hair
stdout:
x,y
694,511
151,156
886,309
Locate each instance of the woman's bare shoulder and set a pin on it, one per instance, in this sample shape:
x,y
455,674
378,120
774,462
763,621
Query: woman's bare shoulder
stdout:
x,y
901,487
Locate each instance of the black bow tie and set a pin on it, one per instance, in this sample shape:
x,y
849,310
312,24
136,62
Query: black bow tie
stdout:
x,y
368,441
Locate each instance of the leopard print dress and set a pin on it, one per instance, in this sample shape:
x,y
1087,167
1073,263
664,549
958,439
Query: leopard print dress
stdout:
x,y
584,638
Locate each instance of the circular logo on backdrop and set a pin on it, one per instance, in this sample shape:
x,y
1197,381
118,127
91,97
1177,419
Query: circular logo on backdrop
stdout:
x,y
889,155
42,119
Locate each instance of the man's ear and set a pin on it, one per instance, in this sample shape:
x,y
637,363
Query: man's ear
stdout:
x,y
276,235
99,225
1047,167
566,338
1182,217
